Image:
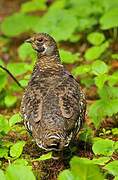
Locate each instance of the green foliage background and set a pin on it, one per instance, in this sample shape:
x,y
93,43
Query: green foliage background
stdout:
x,y
90,30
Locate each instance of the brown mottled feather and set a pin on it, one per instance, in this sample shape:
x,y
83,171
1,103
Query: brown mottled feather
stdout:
x,y
53,106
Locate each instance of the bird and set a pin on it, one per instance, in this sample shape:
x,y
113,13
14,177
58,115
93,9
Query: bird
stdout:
x,y
53,105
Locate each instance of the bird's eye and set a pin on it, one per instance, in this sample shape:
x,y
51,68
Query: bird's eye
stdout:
x,y
40,40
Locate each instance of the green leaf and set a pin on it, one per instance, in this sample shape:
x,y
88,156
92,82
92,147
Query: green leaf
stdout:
x,y
114,131
96,51
33,5
4,125
114,56
3,80
103,147
65,175
2,64
100,80
82,69
26,51
112,167
113,79
95,38
24,82
109,19
108,92
15,119
16,149
116,178
18,68
101,160
116,145
19,172
99,67
44,157
102,108
68,57
96,112
84,169
21,162
4,152
111,107
86,23
61,24
10,100
18,23
2,175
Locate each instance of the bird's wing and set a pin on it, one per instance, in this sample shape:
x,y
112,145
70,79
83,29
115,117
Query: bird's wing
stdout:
x,y
31,107
72,103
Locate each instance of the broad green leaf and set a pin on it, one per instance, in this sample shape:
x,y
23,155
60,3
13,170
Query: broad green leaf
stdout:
x,y
44,157
21,162
65,175
24,82
68,57
4,152
103,147
114,131
82,69
3,80
26,51
109,19
112,167
102,108
10,100
19,172
75,38
2,175
33,5
96,38
113,79
108,92
111,107
18,68
18,23
2,64
15,119
116,178
84,169
116,145
88,81
114,56
4,125
99,67
14,87
101,160
61,24
16,149
100,80
96,112
96,51
86,23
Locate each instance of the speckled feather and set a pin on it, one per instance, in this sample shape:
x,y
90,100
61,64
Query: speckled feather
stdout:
x,y
53,105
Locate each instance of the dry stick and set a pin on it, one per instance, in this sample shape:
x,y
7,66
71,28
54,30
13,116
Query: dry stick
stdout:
x,y
12,76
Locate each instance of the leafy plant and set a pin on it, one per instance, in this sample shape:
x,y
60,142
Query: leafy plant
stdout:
x,y
87,29
81,169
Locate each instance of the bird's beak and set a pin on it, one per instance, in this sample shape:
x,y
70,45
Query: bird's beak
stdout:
x,y
29,40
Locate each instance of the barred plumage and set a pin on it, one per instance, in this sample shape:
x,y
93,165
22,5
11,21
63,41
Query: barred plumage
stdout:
x,y
53,105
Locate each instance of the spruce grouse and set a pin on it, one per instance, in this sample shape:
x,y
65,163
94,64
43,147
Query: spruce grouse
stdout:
x,y
53,105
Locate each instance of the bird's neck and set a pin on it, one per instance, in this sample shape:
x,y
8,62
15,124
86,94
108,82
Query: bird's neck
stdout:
x,y
49,62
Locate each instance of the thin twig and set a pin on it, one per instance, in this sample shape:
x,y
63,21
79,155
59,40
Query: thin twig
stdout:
x,y
12,76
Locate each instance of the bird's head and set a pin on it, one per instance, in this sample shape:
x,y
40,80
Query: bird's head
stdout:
x,y
43,43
